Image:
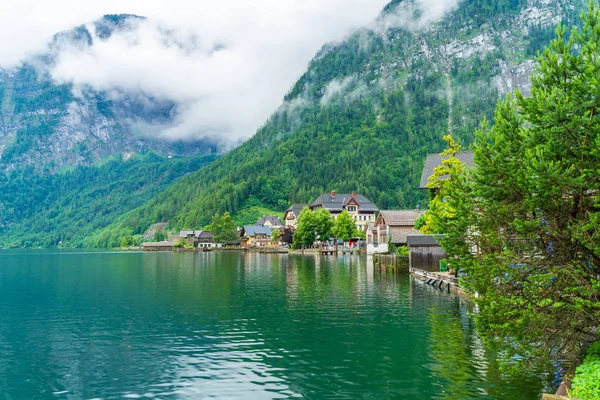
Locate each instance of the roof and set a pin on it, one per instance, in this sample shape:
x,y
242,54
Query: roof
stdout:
x,y
274,221
158,244
339,201
196,234
401,217
435,160
296,209
423,240
254,230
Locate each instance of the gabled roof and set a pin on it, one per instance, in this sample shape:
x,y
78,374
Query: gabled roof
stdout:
x,y
275,221
296,209
435,160
401,217
337,202
196,234
253,230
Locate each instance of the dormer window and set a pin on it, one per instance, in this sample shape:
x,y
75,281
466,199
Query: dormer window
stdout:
x,y
351,208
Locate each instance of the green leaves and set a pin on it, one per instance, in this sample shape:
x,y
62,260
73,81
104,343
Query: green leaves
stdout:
x,y
344,227
223,229
525,224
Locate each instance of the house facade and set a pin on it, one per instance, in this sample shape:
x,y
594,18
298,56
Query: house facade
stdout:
x,y
197,238
358,206
291,215
271,222
256,236
395,226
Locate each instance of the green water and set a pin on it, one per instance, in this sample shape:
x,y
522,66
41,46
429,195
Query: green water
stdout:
x,y
230,325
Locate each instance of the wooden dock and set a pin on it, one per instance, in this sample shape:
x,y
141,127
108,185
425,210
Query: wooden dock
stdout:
x,y
439,280
334,251
391,261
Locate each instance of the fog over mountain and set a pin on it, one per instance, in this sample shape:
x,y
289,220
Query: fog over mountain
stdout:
x,y
225,65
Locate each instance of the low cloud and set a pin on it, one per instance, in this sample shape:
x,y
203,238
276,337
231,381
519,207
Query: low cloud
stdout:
x,y
415,14
225,65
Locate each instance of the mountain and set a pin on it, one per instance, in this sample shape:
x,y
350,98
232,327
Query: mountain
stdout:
x,y
368,110
53,127
63,209
72,158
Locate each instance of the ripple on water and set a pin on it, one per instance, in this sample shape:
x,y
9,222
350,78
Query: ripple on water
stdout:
x,y
192,326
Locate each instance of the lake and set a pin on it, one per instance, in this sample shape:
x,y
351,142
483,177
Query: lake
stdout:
x,y
107,325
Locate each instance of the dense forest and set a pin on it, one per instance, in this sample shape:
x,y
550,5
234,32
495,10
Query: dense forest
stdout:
x,y
63,209
363,118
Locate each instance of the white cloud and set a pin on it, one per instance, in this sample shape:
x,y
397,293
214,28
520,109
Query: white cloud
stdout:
x,y
416,14
225,64
263,47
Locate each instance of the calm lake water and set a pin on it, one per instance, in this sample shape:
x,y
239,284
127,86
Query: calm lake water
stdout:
x,y
230,325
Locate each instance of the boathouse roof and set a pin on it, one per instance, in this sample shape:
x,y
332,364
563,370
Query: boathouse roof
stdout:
x,y
400,217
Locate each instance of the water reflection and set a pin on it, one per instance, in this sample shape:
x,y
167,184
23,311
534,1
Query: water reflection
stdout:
x,y
233,325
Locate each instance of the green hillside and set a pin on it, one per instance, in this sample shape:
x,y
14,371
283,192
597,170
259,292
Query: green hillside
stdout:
x,y
43,211
366,113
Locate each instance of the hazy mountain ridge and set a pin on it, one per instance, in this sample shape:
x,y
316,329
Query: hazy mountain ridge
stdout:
x,y
51,126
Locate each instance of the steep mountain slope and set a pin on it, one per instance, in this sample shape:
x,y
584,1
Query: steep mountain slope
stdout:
x,y
368,110
72,159
50,126
62,209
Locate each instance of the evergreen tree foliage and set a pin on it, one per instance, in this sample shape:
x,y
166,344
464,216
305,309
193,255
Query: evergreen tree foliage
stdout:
x,y
65,209
531,208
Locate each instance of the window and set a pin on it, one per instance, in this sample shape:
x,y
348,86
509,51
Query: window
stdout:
x,y
351,208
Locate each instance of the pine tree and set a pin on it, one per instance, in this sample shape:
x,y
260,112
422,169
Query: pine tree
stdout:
x,y
532,207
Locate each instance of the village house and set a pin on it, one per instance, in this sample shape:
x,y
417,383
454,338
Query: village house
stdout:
x,y
256,236
371,234
393,226
358,206
198,238
291,215
271,222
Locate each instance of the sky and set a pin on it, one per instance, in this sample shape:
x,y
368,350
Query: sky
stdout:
x,y
225,64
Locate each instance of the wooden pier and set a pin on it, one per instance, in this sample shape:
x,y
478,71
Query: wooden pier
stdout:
x,y
336,250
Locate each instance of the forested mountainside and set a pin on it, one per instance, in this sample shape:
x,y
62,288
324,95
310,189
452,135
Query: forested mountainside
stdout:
x,y
72,159
368,110
50,127
63,209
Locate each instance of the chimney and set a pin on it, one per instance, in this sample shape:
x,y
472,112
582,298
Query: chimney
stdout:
x,y
333,194
353,195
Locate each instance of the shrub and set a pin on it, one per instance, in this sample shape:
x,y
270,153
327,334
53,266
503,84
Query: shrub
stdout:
x,y
586,383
